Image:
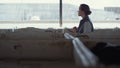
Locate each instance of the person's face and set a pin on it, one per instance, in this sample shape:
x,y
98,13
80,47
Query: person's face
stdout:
x,y
80,12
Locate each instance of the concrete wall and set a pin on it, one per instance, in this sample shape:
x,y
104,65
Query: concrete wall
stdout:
x,y
34,44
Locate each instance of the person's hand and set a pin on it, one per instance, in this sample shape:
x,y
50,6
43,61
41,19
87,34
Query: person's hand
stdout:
x,y
75,29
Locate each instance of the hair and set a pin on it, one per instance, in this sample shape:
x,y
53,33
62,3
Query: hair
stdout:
x,y
85,8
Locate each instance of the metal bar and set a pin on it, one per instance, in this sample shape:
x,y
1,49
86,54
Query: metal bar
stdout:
x,y
83,56
89,58
68,36
79,56
60,13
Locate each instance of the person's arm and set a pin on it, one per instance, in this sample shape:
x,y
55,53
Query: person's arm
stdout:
x,y
87,27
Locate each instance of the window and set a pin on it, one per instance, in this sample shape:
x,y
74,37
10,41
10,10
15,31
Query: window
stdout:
x,y
45,13
27,10
105,14
29,13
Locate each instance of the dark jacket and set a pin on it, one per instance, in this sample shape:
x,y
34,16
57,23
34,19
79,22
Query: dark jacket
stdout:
x,y
85,26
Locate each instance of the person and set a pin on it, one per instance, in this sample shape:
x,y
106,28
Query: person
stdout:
x,y
85,25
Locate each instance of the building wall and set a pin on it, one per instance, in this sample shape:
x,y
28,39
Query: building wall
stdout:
x,y
113,9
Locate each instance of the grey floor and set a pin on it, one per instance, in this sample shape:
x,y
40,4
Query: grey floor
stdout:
x,y
37,64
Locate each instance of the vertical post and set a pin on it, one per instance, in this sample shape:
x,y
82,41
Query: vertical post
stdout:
x,y
60,13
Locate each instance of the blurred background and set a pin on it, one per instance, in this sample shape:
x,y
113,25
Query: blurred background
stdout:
x,y
45,13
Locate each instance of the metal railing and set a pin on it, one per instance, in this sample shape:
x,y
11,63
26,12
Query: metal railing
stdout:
x,y
82,55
